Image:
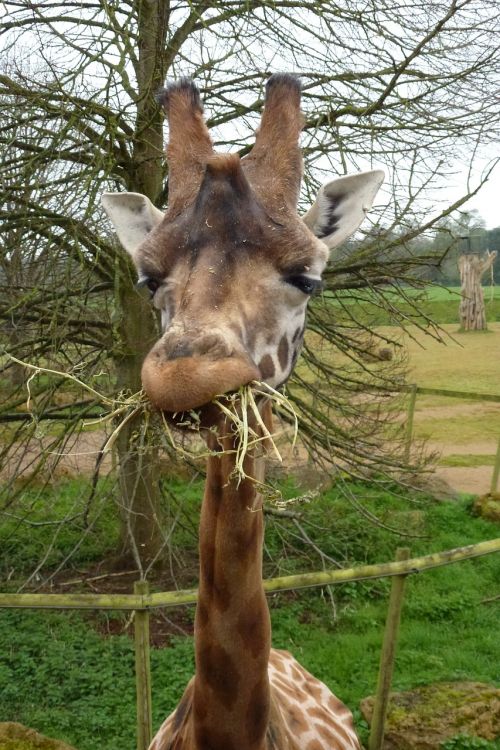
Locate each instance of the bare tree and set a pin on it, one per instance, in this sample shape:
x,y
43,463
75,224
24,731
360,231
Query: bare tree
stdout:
x,y
409,88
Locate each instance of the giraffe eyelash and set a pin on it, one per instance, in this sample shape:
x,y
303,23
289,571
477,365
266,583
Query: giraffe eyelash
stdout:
x,y
306,284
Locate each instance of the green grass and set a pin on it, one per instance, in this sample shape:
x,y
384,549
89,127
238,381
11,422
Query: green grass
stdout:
x,y
464,362
446,634
466,742
438,303
458,361
63,678
461,361
467,460
455,429
57,512
452,293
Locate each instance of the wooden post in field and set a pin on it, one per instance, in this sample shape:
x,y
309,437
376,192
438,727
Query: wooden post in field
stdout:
x,y
142,671
496,470
409,422
387,656
472,267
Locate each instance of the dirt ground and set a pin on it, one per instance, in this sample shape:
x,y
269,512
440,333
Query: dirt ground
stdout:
x,y
451,427
77,457
475,480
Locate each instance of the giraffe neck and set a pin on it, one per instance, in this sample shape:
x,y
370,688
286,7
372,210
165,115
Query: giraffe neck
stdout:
x,y
232,626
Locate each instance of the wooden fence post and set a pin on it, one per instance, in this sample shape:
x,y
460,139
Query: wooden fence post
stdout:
x,y
387,656
496,470
142,671
409,422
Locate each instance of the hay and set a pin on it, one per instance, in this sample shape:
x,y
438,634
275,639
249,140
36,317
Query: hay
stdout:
x,y
122,405
237,407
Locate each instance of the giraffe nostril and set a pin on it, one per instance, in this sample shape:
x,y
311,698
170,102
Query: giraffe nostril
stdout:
x,y
212,346
182,348
173,345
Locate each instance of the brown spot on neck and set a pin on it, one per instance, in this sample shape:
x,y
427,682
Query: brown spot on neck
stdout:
x,y
214,740
297,720
216,668
257,717
299,331
253,626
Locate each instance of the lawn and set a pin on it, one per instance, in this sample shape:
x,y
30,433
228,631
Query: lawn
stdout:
x,y
84,681
459,361
452,293
462,362
437,303
447,358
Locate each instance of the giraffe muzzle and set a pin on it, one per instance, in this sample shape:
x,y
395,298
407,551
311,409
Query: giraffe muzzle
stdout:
x,y
187,383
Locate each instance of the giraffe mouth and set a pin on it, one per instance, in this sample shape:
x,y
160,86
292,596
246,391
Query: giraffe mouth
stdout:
x,y
191,383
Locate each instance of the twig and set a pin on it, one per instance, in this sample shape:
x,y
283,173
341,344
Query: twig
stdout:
x,y
281,513
97,578
490,599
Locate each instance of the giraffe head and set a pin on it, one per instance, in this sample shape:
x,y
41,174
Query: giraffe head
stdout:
x,y
230,264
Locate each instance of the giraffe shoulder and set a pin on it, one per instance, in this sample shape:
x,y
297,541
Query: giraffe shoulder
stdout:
x,y
307,709
173,733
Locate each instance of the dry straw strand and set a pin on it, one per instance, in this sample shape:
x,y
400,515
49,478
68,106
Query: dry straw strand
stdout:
x,y
236,407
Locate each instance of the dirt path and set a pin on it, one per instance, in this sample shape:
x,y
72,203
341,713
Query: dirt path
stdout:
x,y
80,455
469,479
474,480
76,457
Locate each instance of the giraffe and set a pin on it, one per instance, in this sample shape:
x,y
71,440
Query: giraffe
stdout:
x,y
231,266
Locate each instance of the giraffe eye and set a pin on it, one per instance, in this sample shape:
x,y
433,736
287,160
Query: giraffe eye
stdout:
x,y
305,283
150,283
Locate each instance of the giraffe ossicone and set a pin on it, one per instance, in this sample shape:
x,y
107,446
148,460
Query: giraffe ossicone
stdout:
x,y
231,266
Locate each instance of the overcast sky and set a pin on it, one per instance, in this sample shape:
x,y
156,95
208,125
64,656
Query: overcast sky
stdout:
x,y
487,201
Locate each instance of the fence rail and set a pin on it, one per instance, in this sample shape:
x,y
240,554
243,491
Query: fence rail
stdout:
x,y
466,395
142,601
413,390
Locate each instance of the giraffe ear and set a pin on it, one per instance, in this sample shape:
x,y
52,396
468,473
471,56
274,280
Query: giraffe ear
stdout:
x,y
341,206
133,217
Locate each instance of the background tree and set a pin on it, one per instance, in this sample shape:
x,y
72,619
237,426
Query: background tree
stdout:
x,y
472,268
408,88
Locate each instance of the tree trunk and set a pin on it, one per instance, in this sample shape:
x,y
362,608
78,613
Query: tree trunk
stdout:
x,y
472,312
138,466
138,463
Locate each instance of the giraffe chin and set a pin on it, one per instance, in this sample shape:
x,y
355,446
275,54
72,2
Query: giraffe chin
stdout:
x,y
187,383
